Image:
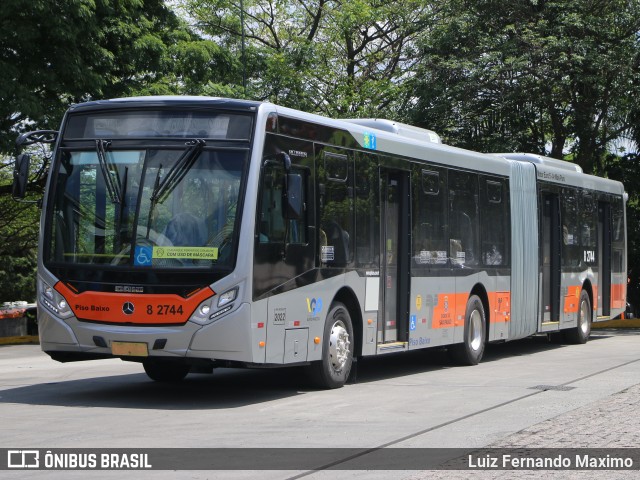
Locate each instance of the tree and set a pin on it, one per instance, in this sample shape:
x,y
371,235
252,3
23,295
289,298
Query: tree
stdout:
x,y
19,230
532,75
57,52
329,56
54,53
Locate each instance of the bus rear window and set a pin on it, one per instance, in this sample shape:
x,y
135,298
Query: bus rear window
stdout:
x,y
159,123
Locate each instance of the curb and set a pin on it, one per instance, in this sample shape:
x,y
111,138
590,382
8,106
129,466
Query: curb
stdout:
x,y
21,340
625,323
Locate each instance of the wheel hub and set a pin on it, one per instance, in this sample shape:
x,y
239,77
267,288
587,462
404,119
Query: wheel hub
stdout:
x,y
339,344
475,330
584,317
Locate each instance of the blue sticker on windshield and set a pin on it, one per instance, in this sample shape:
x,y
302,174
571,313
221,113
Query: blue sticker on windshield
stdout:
x,y
143,256
412,323
370,141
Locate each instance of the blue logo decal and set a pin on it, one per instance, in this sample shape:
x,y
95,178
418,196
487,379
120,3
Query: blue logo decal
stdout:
x,y
370,141
143,256
412,323
314,305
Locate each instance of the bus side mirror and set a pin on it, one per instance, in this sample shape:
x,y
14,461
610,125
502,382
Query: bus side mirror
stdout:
x,y
21,175
286,161
292,202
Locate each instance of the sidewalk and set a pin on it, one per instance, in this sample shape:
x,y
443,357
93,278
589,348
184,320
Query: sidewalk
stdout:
x,y
612,423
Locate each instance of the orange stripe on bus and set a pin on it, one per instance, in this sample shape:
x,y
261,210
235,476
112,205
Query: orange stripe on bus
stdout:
x,y
500,307
444,313
451,309
618,295
572,299
132,308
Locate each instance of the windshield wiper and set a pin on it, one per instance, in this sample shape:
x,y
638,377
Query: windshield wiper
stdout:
x,y
165,186
108,168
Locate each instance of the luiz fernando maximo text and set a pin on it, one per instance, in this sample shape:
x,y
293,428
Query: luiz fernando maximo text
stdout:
x,y
560,461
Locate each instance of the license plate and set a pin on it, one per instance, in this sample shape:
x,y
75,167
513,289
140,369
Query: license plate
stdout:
x,y
130,349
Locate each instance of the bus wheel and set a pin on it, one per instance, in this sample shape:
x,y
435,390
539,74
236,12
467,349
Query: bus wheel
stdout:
x,y
581,333
163,371
337,350
470,351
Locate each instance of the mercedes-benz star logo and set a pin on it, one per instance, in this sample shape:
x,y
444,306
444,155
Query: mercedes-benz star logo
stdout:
x,y
128,308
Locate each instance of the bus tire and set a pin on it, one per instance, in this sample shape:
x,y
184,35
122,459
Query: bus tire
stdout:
x,y
580,334
332,371
470,351
165,372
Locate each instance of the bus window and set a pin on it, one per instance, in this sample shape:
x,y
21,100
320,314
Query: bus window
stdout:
x,y
336,210
367,212
463,218
430,236
196,210
273,226
495,217
618,237
571,228
589,225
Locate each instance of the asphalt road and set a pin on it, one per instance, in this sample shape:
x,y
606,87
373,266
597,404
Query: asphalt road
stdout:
x,y
400,401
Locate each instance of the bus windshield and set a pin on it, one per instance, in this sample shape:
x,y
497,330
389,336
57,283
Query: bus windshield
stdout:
x,y
152,207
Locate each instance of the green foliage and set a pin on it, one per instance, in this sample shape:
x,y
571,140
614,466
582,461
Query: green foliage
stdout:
x,y
57,52
524,75
335,57
19,231
54,53
18,278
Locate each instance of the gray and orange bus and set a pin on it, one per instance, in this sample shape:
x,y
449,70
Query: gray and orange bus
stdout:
x,y
188,233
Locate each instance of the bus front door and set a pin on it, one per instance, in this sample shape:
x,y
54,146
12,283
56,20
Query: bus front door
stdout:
x,y
394,326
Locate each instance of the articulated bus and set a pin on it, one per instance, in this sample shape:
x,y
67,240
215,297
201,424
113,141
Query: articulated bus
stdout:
x,y
188,233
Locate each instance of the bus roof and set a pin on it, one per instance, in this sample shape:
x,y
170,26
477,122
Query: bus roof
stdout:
x,y
542,160
402,129
168,100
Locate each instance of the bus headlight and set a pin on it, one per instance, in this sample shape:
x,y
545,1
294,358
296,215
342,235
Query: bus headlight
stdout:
x,y
201,314
53,301
210,310
228,297
48,291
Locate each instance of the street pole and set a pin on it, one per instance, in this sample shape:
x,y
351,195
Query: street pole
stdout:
x,y
244,60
